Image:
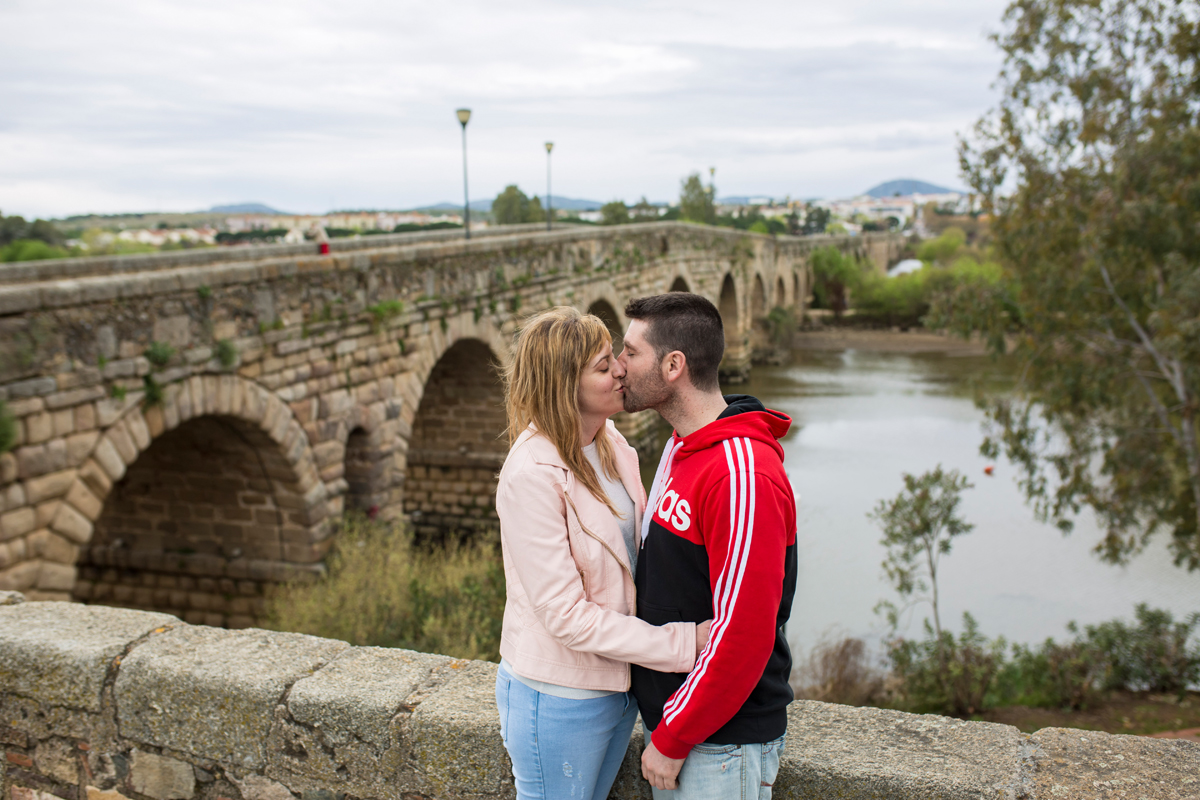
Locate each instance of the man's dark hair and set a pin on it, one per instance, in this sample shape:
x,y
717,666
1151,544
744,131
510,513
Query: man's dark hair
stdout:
x,y
688,323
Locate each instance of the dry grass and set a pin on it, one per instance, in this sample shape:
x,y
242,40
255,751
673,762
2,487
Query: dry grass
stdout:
x,y
839,670
384,590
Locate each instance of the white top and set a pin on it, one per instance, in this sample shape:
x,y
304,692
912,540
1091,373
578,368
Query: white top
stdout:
x,y
620,498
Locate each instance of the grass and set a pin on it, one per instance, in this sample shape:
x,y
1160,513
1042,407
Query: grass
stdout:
x,y
383,589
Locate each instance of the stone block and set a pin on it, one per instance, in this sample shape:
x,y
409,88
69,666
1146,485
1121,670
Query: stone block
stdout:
x,y
56,577
59,653
842,751
1082,765
38,427
72,524
22,577
358,693
52,485
17,523
161,777
23,406
454,735
212,692
58,759
74,397
8,468
80,445
109,459
83,500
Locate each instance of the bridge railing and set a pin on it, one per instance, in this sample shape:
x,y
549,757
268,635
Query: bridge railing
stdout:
x,y
90,266
115,704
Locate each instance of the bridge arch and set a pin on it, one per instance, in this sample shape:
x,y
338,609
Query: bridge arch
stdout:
x,y
606,312
728,306
457,443
780,292
679,285
758,298
193,507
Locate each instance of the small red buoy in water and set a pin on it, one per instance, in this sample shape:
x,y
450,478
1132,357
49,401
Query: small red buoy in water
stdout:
x,y
988,470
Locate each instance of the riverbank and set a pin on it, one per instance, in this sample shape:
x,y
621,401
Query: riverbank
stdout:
x,y
883,340
1142,713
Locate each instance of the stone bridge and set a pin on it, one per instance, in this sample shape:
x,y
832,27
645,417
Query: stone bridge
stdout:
x,y
188,425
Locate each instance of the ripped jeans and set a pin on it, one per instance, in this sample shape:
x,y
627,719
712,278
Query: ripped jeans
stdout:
x,y
563,749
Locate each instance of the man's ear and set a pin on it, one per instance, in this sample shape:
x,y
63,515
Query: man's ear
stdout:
x,y
674,366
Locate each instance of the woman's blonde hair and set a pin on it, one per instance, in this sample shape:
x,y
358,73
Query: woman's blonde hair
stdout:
x,y
542,387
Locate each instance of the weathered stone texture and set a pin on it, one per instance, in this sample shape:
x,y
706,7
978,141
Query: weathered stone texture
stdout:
x,y
1089,765
212,693
59,653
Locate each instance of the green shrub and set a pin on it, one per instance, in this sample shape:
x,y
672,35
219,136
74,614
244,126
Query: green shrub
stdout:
x,y
834,275
153,392
899,300
30,250
382,312
382,589
227,353
948,674
8,428
1052,676
944,248
159,353
1154,655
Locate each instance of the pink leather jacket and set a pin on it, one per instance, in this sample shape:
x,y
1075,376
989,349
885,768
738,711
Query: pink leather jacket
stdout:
x,y
568,618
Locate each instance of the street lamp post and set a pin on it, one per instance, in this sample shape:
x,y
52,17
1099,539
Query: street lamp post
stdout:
x,y
549,197
464,116
712,191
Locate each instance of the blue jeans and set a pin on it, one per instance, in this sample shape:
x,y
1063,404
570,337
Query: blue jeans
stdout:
x,y
727,772
563,749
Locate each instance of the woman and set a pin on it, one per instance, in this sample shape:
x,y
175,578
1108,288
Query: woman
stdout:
x,y
570,501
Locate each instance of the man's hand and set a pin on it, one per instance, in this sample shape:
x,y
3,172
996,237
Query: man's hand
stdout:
x,y
662,772
702,631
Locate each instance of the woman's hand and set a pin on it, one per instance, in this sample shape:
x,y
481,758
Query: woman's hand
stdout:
x,y
702,630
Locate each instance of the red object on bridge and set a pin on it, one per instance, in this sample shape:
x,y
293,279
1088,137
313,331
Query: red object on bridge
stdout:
x,y
323,248
988,470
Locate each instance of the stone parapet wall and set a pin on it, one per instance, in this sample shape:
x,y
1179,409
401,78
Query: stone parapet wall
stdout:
x,y
102,703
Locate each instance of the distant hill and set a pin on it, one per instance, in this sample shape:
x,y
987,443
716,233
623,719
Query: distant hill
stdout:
x,y
246,208
905,186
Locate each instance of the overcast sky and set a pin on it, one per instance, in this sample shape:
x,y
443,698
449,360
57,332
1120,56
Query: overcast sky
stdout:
x,y
308,105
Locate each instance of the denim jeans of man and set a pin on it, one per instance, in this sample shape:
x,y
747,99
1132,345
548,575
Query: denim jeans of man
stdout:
x,y
563,749
727,772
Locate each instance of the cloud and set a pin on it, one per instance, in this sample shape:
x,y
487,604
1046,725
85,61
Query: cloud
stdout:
x,y
133,104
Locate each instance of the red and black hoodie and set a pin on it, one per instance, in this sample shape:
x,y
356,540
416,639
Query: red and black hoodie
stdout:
x,y
719,543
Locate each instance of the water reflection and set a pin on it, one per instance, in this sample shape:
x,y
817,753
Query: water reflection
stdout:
x,y
862,419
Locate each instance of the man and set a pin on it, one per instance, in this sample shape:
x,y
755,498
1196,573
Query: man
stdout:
x,y
718,542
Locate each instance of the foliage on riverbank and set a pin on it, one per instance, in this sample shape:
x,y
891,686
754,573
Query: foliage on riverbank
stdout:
x,y
968,674
959,285
384,589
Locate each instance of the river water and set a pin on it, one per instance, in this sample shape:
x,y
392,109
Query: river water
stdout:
x,y
861,419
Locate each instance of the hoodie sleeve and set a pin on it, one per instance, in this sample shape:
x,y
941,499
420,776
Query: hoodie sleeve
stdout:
x,y
745,520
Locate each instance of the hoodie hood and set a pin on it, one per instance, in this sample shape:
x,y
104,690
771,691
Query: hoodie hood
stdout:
x,y
745,416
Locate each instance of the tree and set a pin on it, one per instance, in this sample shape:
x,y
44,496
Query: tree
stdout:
x,y
512,207
815,221
1090,166
696,201
918,527
614,213
834,275
643,211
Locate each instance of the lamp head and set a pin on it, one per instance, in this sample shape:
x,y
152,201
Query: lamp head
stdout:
x,y
549,147
464,116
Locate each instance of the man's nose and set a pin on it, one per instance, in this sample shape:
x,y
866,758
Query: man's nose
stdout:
x,y
618,369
